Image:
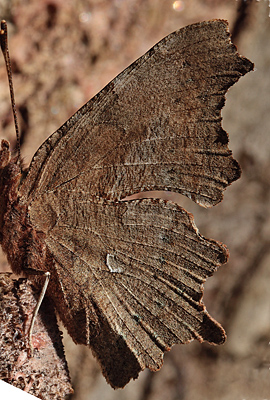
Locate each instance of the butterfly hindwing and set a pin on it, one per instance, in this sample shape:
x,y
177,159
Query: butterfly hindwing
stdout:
x,y
138,270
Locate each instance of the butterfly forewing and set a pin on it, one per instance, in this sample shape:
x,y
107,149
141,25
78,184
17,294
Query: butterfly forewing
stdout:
x,y
157,126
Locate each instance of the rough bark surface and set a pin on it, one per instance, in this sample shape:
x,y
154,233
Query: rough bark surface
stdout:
x,y
45,374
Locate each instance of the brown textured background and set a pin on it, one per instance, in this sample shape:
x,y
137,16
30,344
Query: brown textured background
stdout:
x,y
63,52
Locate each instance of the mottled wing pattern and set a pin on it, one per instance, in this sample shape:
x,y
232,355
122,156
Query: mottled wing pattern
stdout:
x,y
139,267
156,126
127,276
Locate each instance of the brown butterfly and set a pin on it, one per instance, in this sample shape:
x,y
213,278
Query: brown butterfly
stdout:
x,y
126,276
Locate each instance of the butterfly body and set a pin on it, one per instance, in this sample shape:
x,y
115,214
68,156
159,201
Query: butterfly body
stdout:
x,y
127,276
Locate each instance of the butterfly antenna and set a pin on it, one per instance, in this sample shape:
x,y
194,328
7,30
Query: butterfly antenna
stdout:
x,y
4,47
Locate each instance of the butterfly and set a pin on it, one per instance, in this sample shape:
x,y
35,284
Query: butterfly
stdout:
x,y
127,275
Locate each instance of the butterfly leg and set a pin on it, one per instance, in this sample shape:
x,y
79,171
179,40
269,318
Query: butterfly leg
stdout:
x,y
47,274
